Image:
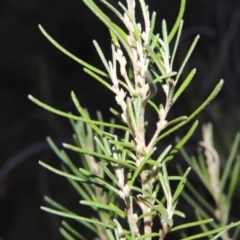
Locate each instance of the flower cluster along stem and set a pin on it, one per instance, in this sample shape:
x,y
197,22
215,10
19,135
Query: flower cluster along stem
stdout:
x,y
140,62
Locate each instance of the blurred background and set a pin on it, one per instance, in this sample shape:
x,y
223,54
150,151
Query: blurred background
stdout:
x,y
29,64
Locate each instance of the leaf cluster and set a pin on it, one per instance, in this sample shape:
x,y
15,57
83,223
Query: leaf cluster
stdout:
x,y
124,166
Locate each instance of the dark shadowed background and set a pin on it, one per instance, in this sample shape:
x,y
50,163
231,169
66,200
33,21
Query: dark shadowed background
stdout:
x,y
29,64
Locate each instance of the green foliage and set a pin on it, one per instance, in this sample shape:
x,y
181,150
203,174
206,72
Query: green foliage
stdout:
x,y
215,175
124,166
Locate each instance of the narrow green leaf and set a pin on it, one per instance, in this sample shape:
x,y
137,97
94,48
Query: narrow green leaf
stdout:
x,y
176,120
101,54
199,109
203,166
184,84
153,20
153,105
184,153
131,115
180,186
70,116
133,22
154,43
122,143
47,107
165,186
236,233
98,155
115,112
153,163
111,196
145,11
70,165
156,60
165,175
65,234
131,155
181,143
111,129
204,234
195,166
156,189
110,6
84,114
178,178
197,169
176,43
114,38
113,64
162,210
165,40
124,155
99,180
73,231
139,168
109,173
121,35
152,213
178,213
61,173
121,232
107,146
62,208
56,150
104,206
110,234
198,208
137,104
130,221
78,60
199,197
164,76
87,191
204,227
218,235
191,224
234,179
88,174
178,21
230,160
147,236
84,139
76,217
164,153
187,57
100,145
83,193
137,189
99,79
